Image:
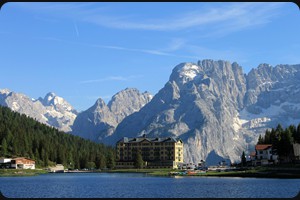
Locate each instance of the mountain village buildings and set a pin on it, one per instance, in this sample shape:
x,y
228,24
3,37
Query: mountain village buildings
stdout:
x,y
156,152
17,163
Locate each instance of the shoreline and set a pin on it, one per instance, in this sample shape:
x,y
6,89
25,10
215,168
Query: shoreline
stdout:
x,y
263,172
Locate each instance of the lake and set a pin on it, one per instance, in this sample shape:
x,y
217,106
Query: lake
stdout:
x,y
137,185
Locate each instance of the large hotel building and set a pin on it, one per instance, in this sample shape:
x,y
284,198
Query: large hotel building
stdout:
x,y
156,152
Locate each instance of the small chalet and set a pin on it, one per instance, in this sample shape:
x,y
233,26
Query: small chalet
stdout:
x,y
264,155
17,163
22,163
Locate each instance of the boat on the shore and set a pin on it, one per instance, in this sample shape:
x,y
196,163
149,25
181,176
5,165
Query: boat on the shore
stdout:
x,y
196,172
188,172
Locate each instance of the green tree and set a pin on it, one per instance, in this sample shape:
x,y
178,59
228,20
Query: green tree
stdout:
x,y
101,161
111,162
91,165
3,148
285,146
243,159
46,145
70,161
138,162
296,134
260,140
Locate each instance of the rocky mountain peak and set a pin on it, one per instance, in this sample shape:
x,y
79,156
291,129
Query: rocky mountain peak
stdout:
x,y
5,91
127,102
99,103
100,120
51,110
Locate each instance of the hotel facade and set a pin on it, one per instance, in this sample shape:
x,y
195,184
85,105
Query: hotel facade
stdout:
x,y
156,152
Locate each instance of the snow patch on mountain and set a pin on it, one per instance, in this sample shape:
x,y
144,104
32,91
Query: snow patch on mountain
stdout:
x,y
51,110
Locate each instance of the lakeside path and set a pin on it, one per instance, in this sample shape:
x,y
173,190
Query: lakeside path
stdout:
x,y
259,172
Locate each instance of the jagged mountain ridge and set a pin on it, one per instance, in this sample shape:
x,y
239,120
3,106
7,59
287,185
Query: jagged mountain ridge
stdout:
x,y
216,109
100,120
51,110
212,105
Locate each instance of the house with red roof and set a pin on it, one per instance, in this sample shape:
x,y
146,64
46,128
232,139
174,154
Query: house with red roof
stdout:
x,y
264,155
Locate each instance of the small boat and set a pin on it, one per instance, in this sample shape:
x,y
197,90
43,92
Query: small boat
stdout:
x,y
173,173
196,172
191,172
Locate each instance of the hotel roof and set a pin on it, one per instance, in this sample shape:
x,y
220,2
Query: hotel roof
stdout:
x,y
155,140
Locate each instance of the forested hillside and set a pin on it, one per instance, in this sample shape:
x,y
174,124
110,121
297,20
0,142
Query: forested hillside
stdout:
x,y
25,137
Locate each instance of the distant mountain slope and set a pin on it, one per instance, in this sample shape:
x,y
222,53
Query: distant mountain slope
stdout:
x,y
51,110
100,120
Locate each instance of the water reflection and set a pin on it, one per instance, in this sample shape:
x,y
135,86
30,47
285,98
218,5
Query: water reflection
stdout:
x,y
142,185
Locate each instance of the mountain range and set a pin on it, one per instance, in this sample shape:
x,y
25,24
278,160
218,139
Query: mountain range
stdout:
x,y
217,109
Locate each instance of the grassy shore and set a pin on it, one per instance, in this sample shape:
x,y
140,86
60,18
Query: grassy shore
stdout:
x,y
156,172
21,172
258,172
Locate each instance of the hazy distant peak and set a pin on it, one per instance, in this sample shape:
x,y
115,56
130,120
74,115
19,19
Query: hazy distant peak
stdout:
x,y
5,91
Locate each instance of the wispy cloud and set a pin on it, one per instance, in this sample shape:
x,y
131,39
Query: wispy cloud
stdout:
x,y
112,78
234,16
162,52
76,28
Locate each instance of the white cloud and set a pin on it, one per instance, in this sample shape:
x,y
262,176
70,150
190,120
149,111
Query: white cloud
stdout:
x,y
112,78
234,16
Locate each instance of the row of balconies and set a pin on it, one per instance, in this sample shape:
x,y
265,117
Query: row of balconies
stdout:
x,y
146,158
147,152
149,144
148,149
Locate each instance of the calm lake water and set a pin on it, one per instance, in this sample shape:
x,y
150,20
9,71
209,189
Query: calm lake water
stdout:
x,y
133,185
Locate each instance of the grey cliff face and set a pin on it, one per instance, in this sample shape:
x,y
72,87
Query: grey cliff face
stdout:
x,y
216,109
52,110
100,121
198,103
127,102
273,96
96,123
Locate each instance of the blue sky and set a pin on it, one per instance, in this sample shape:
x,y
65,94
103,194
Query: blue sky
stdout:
x,y
83,51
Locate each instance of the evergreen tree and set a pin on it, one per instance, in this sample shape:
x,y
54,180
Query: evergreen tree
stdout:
x,y
46,145
296,135
3,148
101,161
91,165
260,140
138,162
285,146
279,128
243,159
111,163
